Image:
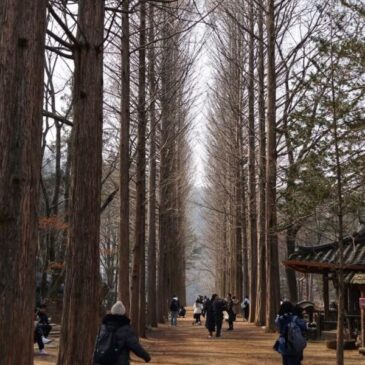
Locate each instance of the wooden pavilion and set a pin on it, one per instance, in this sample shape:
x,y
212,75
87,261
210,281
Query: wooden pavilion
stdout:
x,y
324,260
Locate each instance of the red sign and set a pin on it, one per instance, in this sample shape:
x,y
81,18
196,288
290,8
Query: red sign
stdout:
x,y
362,303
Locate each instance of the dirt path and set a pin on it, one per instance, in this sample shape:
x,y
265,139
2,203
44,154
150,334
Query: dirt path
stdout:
x,y
246,345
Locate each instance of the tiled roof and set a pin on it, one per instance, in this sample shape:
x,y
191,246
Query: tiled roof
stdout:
x,y
325,258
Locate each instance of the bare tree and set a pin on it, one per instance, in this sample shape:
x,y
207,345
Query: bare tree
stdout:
x,y
81,299
124,155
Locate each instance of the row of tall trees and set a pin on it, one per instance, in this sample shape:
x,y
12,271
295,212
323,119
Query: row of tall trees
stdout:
x,y
115,172
286,78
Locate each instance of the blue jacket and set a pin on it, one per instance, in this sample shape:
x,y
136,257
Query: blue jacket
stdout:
x,y
282,326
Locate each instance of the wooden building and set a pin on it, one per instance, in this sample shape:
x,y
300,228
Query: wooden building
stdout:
x,y
324,260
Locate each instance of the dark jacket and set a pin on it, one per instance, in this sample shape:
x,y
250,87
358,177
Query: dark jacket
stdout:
x,y
127,339
219,306
43,318
210,320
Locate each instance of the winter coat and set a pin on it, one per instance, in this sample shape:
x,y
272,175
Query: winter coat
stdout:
x,y
43,318
229,309
236,306
174,305
127,339
210,320
219,306
197,308
282,323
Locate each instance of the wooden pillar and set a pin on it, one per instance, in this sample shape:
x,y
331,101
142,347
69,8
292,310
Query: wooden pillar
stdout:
x,y
325,296
362,346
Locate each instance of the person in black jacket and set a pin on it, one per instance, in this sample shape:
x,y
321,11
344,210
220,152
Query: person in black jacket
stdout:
x,y
44,321
229,307
208,310
127,340
219,306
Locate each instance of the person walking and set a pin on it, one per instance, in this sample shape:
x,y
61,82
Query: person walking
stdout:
x,y
174,310
229,307
291,342
245,308
44,322
219,306
209,315
116,326
38,336
197,311
235,306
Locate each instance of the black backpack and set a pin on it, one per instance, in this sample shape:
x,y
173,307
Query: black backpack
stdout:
x,y
107,349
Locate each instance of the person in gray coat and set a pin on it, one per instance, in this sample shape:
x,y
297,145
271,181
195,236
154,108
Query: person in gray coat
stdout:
x,y
127,340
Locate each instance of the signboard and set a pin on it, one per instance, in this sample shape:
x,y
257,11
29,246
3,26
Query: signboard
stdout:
x,y
362,303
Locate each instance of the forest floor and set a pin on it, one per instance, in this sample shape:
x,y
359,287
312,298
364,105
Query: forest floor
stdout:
x,y
189,345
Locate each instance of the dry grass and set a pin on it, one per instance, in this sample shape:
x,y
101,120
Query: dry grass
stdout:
x,y
246,345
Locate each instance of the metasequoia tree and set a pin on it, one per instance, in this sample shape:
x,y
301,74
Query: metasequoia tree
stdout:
x,y
138,299
152,215
271,239
252,162
174,70
261,248
81,297
21,60
124,156
227,156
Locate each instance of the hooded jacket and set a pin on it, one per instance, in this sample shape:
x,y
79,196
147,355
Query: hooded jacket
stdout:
x,y
127,339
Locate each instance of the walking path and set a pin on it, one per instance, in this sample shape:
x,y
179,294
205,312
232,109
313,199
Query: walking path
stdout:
x,y
246,345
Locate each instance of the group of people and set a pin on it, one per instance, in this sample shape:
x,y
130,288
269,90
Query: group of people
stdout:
x,y
116,337
214,309
42,328
290,323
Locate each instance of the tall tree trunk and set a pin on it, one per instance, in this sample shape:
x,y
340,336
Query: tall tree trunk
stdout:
x,y
22,29
261,250
273,278
340,272
291,234
123,278
138,269
152,308
251,166
244,223
81,297
166,161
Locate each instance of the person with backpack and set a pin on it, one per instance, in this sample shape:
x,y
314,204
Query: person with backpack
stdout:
x,y
174,310
116,339
291,341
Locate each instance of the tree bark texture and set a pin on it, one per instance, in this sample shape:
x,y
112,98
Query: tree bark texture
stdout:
x,y
22,29
261,249
252,165
273,278
291,234
138,269
123,277
152,226
81,297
